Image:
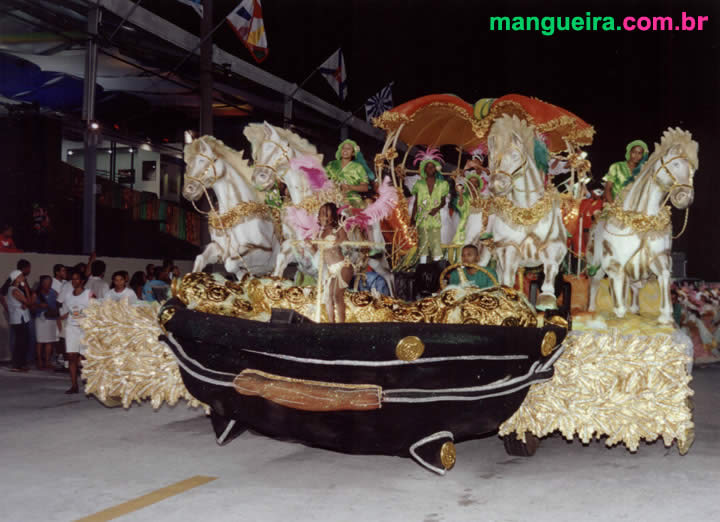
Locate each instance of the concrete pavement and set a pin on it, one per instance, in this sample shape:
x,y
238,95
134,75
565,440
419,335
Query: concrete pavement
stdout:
x,y
66,456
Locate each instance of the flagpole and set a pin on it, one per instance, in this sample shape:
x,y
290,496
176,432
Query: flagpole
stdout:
x,y
199,44
305,80
316,69
360,107
352,114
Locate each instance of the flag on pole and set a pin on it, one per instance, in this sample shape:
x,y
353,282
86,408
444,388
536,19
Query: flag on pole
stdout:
x,y
333,69
379,102
195,4
247,22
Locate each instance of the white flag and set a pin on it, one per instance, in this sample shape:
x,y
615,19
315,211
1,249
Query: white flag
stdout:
x,y
333,69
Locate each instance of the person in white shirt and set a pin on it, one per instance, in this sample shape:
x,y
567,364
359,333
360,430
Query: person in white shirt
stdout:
x,y
73,310
18,303
59,280
120,290
95,283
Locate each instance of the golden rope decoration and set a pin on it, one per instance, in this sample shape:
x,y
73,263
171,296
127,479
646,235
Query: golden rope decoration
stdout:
x,y
638,221
240,213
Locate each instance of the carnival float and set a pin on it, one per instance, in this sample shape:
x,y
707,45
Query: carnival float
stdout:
x,y
363,372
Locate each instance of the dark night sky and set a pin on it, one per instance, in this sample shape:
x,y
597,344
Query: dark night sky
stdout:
x,y
627,84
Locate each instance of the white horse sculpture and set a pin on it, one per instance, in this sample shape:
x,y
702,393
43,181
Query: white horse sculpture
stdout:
x,y
241,227
528,229
631,241
273,150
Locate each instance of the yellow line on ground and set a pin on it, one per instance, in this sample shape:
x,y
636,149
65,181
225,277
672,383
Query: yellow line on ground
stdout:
x,y
146,500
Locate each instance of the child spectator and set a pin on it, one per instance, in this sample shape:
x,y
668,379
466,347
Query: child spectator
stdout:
x,y
120,290
95,283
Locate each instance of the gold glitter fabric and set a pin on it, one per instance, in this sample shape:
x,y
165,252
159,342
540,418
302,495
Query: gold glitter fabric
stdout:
x,y
254,298
639,221
509,211
125,361
625,388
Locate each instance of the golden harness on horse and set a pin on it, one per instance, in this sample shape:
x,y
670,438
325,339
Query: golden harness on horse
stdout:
x,y
508,211
639,221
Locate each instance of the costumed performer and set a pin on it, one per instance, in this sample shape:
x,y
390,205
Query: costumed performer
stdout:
x,y
350,172
338,270
430,192
473,185
471,256
622,173
73,308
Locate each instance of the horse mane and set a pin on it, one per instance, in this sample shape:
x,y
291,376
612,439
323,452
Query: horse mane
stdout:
x,y
255,134
507,125
233,157
671,138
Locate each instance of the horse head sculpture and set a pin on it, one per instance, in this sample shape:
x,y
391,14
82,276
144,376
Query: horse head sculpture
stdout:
x,y
272,149
668,174
631,242
241,227
514,172
528,228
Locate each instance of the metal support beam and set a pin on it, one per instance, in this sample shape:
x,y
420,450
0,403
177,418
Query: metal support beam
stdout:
x,y
91,136
206,70
160,27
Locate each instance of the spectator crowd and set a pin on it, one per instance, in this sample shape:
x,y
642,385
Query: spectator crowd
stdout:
x,y
44,315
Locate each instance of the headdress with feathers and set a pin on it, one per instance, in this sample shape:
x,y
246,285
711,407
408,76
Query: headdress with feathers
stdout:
x,y
429,156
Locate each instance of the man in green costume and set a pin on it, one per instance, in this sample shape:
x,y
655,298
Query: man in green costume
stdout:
x,y
430,193
623,173
350,172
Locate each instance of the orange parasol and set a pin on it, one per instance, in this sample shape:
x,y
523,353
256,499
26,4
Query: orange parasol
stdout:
x,y
554,122
433,120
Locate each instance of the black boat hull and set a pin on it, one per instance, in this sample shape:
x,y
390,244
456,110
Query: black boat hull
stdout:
x,y
292,381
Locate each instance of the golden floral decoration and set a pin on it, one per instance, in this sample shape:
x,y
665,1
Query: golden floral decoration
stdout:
x,y
625,388
125,361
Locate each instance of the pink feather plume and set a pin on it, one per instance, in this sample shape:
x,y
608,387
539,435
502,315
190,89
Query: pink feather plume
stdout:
x,y
305,225
377,210
313,170
480,150
429,154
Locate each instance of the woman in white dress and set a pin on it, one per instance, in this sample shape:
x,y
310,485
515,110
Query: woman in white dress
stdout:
x,y
120,290
46,318
73,309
